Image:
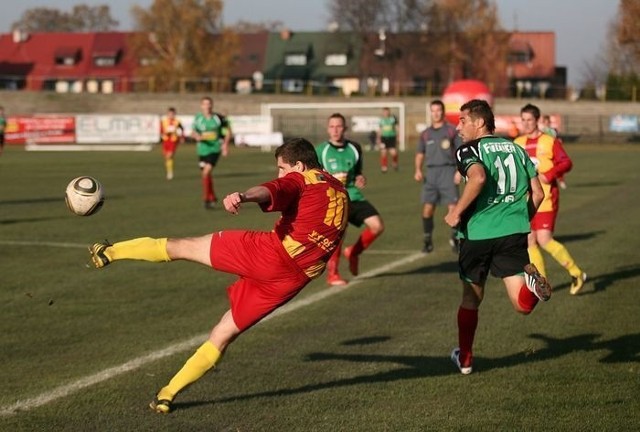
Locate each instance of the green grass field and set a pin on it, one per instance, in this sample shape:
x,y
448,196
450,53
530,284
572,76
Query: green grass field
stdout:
x,y
83,349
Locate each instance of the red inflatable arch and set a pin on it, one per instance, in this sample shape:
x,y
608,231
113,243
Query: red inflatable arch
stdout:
x,y
459,92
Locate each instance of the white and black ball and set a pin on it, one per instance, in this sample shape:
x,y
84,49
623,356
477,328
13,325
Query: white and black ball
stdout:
x,y
84,196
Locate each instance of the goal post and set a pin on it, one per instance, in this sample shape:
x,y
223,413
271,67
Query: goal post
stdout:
x,y
309,120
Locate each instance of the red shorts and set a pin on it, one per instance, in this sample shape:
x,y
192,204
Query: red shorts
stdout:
x,y
544,221
169,147
268,276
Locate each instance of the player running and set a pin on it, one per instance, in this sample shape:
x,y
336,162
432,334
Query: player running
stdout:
x,y
552,162
388,140
212,132
172,134
502,192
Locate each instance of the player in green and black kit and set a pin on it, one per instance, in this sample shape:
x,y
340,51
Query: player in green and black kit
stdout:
x,y
388,139
501,194
212,132
342,158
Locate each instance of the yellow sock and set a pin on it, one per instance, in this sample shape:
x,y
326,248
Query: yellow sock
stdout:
x,y
204,359
168,164
561,254
143,248
535,256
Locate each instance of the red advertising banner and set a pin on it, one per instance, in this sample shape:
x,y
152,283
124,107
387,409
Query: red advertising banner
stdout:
x,y
40,129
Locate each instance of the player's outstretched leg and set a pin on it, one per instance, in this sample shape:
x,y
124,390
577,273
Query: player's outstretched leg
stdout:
x,y
144,248
98,257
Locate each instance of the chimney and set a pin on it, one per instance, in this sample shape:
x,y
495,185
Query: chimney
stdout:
x,y
20,36
285,34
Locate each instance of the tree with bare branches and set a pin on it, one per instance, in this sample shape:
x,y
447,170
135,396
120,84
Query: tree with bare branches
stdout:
x,y
183,39
465,35
82,18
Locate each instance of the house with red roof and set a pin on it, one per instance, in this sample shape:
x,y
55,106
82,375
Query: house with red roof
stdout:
x,y
104,63
66,62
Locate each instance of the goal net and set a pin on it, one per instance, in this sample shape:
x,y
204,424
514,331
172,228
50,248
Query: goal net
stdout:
x,y
309,120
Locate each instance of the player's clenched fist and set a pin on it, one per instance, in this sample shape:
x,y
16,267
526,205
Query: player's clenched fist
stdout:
x,y
232,202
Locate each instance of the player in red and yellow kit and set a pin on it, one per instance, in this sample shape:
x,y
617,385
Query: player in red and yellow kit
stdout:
x,y
272,266
172,133
552,162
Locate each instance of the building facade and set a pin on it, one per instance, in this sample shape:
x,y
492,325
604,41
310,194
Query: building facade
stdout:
x,y
281,62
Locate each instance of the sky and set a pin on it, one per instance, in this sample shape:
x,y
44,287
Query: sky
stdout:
x,y
580,25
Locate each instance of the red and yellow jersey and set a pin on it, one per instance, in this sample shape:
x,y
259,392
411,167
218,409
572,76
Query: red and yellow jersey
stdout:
x,y
171,129
552,161
314,208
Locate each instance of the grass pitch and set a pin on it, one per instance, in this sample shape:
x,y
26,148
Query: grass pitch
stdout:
x,y
75,344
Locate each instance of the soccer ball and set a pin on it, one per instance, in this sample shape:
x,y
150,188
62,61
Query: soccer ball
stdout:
x,y
84,196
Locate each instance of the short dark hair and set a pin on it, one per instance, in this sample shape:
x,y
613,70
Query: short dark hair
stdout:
x,y
437,102
338,116
531,109
298,149
172,109
479,108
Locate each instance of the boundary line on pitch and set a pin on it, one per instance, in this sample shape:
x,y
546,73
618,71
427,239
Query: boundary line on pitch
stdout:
x,y
138,362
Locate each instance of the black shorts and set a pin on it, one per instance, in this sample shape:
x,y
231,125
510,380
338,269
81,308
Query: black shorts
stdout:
x,y
503,256
389,142
211,159
359,211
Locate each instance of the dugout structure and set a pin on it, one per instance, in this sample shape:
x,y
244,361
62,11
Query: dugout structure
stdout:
x,y
309,120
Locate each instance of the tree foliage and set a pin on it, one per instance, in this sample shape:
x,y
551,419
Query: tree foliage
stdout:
x,y
82,18
183,39
625,39
629,26
255,27
464,35
472,37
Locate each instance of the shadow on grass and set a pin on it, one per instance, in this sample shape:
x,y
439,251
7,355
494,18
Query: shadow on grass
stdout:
x,y
591,185
568,238
23,220
33,200
428,268
620,350
603,281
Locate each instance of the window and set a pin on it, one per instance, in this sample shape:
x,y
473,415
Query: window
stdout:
x,y
292,85
104,61
335,60
295,60
520,56
65,61
67,56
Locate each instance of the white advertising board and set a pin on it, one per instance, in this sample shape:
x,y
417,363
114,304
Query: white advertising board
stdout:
x,y
251,124
117,128
365,123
